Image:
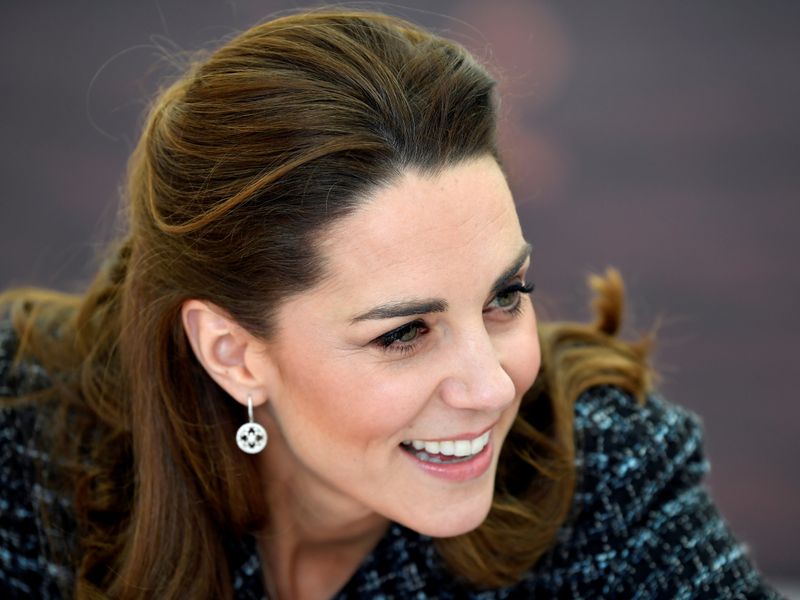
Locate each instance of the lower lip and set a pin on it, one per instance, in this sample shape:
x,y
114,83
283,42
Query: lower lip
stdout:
x,y
460,471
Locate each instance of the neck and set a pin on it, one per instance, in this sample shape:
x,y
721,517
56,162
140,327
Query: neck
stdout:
x,y
312,522
316,537
312,567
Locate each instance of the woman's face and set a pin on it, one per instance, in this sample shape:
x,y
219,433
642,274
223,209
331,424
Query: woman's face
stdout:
x,y
399,375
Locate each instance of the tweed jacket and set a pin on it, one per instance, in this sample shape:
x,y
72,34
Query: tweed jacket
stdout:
x,y
642,524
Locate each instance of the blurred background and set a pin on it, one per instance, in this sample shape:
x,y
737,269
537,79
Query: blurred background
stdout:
x,y
660,138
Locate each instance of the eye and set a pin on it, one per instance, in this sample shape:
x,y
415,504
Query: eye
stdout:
x,y
403,338
508,299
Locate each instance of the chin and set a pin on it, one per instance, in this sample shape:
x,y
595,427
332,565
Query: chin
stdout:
x,y
450,522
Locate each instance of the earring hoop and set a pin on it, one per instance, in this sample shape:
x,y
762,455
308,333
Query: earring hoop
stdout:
x,y
251,437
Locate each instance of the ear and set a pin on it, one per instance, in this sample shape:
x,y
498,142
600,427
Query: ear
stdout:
x,y
232,357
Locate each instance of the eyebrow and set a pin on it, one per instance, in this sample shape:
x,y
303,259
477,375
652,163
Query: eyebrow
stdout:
x,y
409,308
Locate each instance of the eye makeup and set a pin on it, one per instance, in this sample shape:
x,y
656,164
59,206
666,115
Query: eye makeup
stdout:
x,y
405,338
402,339
513,293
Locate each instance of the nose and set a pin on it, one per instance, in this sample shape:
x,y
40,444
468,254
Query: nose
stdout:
x,y
475,378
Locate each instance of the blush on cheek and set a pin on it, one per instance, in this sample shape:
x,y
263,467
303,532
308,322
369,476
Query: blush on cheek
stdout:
x,y
360,407
525,360
393,402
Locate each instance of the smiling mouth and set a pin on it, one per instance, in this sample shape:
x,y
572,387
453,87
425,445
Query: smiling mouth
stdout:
x,y
447,451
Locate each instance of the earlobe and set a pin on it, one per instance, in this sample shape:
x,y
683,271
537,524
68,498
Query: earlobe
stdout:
x,y
221,346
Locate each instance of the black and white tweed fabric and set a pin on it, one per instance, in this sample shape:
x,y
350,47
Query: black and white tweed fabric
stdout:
x,y
643,526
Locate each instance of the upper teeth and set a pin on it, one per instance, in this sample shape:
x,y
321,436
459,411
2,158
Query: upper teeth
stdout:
x,y
451,447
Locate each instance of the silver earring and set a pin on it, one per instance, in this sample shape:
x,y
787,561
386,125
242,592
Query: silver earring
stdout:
x,y
251,437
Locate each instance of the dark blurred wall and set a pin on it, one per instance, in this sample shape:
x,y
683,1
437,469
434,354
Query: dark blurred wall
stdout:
x,y
662,138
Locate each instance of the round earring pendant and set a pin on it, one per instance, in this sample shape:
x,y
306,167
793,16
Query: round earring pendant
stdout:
x,y
251,438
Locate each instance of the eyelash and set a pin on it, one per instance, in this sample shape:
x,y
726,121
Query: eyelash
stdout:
x,y
388,341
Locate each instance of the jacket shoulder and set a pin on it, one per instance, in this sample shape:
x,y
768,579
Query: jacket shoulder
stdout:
x,y
25,569
643,524
17,377
631,452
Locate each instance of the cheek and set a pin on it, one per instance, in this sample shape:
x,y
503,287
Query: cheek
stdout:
x,y
522,354
343,403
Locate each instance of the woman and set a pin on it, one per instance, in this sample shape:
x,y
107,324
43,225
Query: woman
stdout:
x,y
311,368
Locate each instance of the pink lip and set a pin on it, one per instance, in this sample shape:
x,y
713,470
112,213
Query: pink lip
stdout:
x,y
460,471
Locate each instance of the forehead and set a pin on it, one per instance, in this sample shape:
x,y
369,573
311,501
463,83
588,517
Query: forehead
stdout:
x,y
460,220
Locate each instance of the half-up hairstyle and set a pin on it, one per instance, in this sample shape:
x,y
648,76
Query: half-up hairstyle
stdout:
x,y
242,165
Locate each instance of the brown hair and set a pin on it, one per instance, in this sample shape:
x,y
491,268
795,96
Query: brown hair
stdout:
x,y
242,164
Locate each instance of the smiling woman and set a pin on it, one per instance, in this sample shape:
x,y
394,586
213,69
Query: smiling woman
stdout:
x,y
421,259
324,268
